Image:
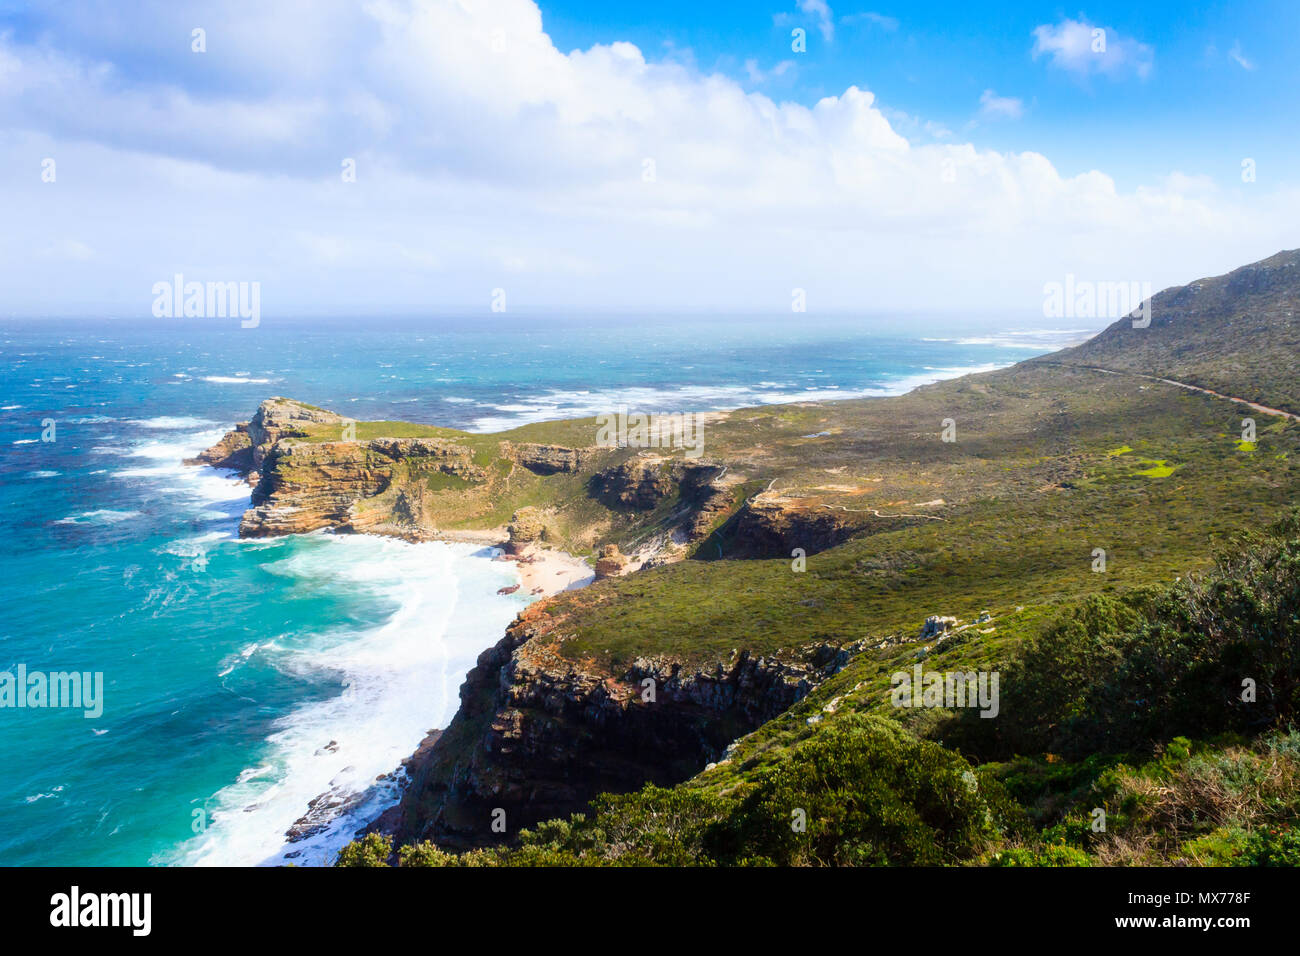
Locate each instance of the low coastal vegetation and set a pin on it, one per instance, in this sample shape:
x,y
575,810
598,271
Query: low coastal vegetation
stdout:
x,y
1126,711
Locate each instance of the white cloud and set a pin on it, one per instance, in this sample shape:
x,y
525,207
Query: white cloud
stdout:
x,y
825,18
888,24
482,164
1240,58
993,106
1082,48
757,75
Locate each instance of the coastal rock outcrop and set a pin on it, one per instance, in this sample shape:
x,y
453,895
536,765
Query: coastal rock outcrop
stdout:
x,y
305,485
611,562
525,529
309,471
235,451
545,459
279,417
538,735
772,525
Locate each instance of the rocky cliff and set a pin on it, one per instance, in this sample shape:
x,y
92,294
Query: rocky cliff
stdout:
x,y
304,486
538,735
310,471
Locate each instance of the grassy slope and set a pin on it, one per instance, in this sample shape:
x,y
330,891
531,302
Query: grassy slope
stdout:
x,y
1236,334
1032,485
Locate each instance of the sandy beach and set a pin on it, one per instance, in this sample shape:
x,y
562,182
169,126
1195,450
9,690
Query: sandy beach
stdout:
x,y
543,572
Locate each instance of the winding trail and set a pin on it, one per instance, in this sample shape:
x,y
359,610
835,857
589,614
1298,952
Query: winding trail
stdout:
x,y
1191,388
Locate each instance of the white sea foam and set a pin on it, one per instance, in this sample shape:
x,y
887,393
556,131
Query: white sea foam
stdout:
x,y
235,380
212,489
400,679
1035,340
99,516
174,422
584,403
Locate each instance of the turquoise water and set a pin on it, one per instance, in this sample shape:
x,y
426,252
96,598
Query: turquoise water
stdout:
x,y
244,679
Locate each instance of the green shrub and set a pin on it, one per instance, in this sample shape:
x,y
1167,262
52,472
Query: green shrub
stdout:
x,y
1111,675
1272,846
1049,855
371,850
863,792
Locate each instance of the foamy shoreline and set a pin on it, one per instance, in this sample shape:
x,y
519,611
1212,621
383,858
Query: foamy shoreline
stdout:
x,y
542,571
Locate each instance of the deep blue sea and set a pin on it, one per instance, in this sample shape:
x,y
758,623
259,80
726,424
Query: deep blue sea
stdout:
x,y
244,679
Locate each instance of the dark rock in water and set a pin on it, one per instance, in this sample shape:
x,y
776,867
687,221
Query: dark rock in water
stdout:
x,y
235,451
322,811
508,590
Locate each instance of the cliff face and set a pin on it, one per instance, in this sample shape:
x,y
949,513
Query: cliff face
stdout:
x,y
309,471
771,524
538,735
644,482
309,485
278,418
234,451
545,459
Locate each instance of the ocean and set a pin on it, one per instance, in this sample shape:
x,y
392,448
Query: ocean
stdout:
x,y
244,681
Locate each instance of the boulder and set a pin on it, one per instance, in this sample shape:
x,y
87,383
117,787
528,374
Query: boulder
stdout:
x,y
611,562
525,528
936,625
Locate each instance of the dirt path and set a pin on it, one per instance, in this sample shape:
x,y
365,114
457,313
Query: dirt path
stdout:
x,y
1191,388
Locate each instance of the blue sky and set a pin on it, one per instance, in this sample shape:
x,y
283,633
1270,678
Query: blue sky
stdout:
x,y
947,156
1198,105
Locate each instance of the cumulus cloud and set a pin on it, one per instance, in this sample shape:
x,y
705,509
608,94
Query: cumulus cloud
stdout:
x,y
485,156
1084,49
